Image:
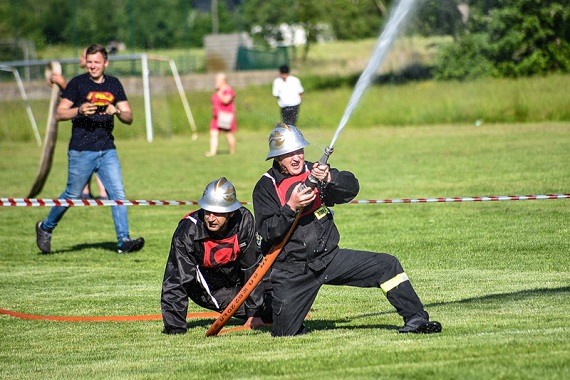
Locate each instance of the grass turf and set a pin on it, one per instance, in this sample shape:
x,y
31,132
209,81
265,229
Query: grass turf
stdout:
x,y
495,274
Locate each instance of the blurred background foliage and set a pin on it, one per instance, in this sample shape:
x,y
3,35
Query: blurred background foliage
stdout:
x,y
489,38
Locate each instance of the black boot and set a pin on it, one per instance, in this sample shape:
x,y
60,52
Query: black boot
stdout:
x,y
419,323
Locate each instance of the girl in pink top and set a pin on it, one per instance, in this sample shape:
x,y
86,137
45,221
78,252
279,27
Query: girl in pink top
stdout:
x,y
222,101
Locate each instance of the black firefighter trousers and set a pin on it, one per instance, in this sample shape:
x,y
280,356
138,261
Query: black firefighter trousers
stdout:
x,y
295,287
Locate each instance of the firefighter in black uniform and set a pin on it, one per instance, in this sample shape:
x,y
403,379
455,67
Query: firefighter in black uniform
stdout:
x,y
212,254
312,258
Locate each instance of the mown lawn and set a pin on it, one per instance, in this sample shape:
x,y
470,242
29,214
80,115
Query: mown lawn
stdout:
x,y
495,274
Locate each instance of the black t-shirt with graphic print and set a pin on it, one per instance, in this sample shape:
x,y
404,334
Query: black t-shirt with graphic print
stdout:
x,y
93,132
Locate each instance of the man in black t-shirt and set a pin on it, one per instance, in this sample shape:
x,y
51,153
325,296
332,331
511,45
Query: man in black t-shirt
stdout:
x,y
91,101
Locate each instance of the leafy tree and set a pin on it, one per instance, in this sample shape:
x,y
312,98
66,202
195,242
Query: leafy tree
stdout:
x,y
530,37
263,18
158,24
353,20
20,22
309,15
465,60
348,19
150,24
64,22
442,17
227,19
515,37
147,23
94,24
199,24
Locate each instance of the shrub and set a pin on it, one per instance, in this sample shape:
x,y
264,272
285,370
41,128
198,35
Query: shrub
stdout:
x,y
465,59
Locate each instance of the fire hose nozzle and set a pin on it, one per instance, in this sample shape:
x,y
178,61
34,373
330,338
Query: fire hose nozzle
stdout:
x,y
312,181
328,151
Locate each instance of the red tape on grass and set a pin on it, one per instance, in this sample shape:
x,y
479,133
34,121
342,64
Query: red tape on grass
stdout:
x,y
36,202
118,318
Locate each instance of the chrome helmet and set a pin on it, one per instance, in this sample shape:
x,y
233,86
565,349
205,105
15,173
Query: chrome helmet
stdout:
x,y
285,139
219,196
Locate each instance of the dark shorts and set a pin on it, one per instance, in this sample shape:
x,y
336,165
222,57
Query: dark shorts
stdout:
x,y
289,115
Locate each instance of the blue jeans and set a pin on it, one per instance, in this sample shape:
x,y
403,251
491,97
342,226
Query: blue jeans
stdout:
x,y
81,166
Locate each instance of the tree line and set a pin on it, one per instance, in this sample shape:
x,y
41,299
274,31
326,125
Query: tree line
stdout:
x,y
490,37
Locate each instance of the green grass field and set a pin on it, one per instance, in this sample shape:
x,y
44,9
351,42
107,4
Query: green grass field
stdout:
x,y
495,274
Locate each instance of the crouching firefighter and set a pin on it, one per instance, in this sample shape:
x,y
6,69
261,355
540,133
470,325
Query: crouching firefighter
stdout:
x,y
212,255
312,258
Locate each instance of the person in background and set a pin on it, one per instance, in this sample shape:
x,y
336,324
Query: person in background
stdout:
x,y
224,115
311,257
92,101
59,79
289,93
212,255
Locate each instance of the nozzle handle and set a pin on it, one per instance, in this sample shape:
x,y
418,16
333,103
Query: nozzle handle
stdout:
x,y
311,181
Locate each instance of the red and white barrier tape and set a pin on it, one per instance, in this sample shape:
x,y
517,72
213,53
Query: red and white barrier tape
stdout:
x,y
33,202
36,202
469,199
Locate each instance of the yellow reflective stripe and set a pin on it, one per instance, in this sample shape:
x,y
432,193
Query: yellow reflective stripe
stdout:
x,y
393,282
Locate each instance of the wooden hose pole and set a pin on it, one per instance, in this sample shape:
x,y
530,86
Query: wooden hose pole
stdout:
x,y
253,281
51,133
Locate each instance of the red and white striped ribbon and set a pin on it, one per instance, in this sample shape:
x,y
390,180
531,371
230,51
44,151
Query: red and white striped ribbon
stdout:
x,y
33,202
36,202
468,199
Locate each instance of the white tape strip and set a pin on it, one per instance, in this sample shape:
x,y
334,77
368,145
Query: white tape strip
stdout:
x,y
37,202
32,202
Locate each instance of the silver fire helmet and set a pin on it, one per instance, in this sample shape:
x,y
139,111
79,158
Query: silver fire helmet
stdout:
x,y
219,196
285,139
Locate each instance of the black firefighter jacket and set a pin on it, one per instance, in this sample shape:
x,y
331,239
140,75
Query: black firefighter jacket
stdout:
x,y
223,261
316,236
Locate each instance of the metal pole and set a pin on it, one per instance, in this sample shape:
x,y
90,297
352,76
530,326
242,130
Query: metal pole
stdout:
x,y
15,31
26,102
215,29
74,26
184,100
146,92
131,32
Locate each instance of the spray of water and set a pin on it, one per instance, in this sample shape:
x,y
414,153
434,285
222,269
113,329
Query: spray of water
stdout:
x,y
387,37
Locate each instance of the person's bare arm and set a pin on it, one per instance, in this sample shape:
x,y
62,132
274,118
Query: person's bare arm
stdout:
x,y
226,98
122,110
254,322
57,79
66,110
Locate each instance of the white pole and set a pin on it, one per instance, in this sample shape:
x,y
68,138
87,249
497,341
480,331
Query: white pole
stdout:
x,y
146,91
184,100
26,102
